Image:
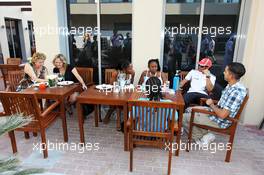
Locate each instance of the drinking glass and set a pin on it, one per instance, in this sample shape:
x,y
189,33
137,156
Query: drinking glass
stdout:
x,y
60,78
116,87
167,86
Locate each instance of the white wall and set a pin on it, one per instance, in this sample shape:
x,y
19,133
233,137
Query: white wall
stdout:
x,y
48,41
253,59
15,13
147,33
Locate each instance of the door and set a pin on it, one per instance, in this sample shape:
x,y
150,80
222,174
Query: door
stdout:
x,y
13,38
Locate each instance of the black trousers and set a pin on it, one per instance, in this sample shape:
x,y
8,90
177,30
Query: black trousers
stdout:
x,y
193,98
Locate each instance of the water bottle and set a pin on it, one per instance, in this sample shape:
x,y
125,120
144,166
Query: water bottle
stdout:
x,y
176,81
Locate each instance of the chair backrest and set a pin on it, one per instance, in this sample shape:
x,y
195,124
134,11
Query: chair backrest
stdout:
x,y
151,117
5,68
108,75
86,73
14,77
166,75
26,103
16,61
242,106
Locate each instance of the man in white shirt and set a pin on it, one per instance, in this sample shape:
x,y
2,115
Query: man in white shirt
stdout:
x,y
201,81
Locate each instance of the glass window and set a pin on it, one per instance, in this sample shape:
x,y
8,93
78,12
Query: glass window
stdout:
x,y
219,34
13,38
116,31
181,37
83,35
116,28
31,37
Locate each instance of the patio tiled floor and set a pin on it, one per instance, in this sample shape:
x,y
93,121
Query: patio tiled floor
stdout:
x,y
247,156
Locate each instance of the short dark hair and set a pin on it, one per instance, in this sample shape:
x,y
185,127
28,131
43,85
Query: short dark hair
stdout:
x,y
123,65
237,69
151,83
155,61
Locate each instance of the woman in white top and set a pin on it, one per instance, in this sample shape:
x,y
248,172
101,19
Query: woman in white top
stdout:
x,y
153,71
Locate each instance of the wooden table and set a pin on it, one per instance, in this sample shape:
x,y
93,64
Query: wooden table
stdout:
x,y
95,97
57,93
177,98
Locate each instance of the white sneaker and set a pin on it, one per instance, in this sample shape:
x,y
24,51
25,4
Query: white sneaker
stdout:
x,y
206,139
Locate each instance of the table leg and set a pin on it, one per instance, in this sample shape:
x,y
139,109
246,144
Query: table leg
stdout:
x,y
96,115
64,122
179,131
125,128
118,115
100,116
81,121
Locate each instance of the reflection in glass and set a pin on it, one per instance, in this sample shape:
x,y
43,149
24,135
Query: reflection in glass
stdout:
x,y
13,38
219,44
116,31
180,41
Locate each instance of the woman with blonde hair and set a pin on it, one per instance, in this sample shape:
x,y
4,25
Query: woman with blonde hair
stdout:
x,y
68,72
35,71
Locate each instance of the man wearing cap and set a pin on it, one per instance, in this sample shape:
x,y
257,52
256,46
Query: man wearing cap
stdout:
x,y
201,81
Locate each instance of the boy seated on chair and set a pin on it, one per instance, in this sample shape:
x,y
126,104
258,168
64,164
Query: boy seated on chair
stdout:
x,y
228,105
201,82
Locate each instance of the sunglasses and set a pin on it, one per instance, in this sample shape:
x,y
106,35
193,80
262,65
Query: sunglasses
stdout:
x,y
203,66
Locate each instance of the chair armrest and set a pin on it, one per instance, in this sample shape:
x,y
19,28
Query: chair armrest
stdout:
x,y
194,110
203,100
50,108
232,119
2,114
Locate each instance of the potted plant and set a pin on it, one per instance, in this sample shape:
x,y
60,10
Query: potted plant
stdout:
x,y
10,166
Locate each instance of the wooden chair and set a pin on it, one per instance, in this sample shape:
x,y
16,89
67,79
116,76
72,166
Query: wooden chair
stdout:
x,y
228,131
14,77
154,131
5,68
27,103
108,75
166,75
15,61
87,74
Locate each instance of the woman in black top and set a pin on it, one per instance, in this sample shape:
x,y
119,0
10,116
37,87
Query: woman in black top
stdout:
x,y
68,72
